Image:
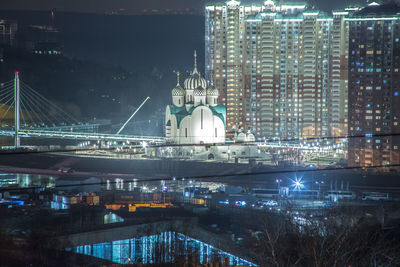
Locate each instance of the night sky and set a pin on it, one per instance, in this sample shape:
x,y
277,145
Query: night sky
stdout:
x,y
137,6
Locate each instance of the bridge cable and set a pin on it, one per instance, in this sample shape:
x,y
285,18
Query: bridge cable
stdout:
x,y
43,104
31,109
38,99
9,95
38,107
24,111
50,103
7,91
27,111
9,107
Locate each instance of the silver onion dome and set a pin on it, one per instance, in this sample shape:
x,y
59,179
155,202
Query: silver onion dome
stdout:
x,y
195,80
199,91
212,91
178,91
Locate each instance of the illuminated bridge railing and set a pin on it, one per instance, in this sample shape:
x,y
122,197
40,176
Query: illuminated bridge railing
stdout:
x,y
84,136
90,136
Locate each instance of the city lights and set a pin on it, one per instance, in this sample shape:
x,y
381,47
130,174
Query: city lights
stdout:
x,y
298,184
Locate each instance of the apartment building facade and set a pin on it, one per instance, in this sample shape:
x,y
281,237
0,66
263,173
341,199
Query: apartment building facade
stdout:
x,y
374,85
281,68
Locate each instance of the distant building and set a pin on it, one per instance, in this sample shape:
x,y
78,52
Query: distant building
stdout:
x,y
40,39
280,68
374,85
62,201
195,117
8,31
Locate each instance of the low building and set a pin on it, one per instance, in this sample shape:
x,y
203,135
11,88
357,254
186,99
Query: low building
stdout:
x,y
63,201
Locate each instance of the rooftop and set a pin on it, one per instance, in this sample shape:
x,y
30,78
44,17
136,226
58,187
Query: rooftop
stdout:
x,y
376,9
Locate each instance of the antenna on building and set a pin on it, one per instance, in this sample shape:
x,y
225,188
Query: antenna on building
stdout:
x,y
53,15
177,77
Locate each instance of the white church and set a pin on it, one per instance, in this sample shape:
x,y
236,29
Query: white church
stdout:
x,y
195,117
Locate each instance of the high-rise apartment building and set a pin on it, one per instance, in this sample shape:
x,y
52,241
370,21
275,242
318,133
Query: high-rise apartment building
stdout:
x,y
8,30
281,68
374,85
225,51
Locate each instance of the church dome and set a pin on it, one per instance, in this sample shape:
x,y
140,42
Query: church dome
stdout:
x,y
195,80
178,91
199,91
212,91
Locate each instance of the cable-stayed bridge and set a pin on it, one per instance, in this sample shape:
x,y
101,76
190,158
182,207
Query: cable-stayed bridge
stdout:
x,y
25,113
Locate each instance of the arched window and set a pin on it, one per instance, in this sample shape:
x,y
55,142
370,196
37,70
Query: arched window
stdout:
x,y
201,115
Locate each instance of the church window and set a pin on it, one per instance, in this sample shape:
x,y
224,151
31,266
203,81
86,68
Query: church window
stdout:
x,y
216,135
215,101
179,101
201,114
186,132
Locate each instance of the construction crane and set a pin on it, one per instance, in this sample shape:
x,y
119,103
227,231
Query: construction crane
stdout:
x,y
123,126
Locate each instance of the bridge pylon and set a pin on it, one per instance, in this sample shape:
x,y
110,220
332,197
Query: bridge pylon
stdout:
x,y
16,110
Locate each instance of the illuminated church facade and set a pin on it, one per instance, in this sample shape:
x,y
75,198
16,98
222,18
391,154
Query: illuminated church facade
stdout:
x,y
195,117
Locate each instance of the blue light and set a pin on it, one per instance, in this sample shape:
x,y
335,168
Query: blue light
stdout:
x,y
396,93
298,184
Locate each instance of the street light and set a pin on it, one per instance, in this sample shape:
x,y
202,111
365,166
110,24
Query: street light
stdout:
x,y
298,184
319,188
278,181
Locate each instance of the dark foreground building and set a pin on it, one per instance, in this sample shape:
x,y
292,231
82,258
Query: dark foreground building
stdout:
x,y
374,85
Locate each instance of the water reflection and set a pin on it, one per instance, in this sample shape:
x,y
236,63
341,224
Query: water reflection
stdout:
x,y
119,184
162,248
26,180
94,184
71,184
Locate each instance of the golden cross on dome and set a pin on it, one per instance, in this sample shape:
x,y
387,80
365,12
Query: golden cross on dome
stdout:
x,y
195,59
177,77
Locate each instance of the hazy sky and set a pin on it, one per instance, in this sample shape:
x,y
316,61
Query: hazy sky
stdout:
x,y
134,6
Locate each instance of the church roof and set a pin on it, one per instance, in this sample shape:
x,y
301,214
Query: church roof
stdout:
x,y
199,91
194,81
212,91
219,111
181,112
178,91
